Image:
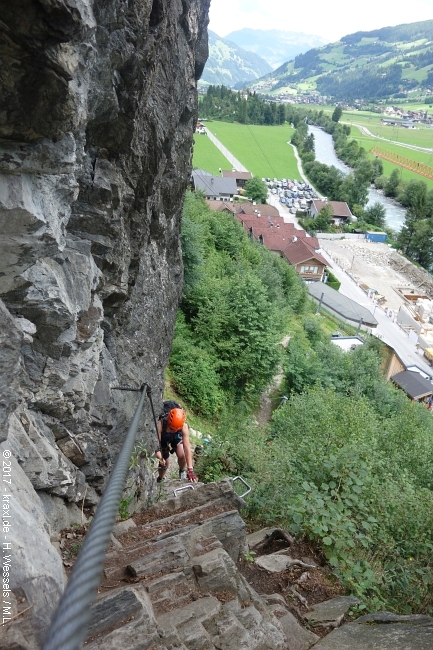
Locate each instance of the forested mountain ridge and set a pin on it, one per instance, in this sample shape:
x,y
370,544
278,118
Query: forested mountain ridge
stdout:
x,y
364,65
230,65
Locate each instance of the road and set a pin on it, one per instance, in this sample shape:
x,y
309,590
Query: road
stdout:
x,y
366,131
284,211
387,330
238,166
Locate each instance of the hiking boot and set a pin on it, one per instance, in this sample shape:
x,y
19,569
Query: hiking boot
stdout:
x,y
182,474
159,479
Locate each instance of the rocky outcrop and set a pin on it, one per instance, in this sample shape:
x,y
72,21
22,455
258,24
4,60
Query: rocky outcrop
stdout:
x,y
383,630
97,110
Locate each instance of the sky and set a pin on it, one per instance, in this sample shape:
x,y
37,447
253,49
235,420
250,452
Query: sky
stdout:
x,y
331,19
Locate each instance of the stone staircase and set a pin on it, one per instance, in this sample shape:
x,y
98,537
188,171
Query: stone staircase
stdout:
x,y
172,582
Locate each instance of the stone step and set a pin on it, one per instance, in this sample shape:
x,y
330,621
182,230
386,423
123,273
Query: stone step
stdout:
x,y
190,594
172,557
227,527
154,528
200,495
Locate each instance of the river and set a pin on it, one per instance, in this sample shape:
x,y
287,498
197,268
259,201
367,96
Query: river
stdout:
x,y
324,149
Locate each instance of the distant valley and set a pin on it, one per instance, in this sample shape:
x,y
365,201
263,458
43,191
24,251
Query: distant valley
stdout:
x,y
275,46
249,54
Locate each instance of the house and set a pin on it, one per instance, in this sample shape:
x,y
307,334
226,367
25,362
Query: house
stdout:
x,y
278,238
391,362
222,206
275,239
414,385
340,210
346,309
309,264
240,177
347,343
214,187
200,128
261,221
248,207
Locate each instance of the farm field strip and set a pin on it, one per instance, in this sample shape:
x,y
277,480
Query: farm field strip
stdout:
x,y
207,156
421,137
402,161
419,156
406,175
261,149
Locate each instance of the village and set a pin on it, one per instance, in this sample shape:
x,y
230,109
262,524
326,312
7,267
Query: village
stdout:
x,y
380,291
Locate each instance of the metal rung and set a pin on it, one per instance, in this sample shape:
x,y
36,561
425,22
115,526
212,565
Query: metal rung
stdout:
x,y
239,478
185,487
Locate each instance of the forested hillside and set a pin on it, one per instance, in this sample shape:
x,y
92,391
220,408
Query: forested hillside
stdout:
x,y
237,300
346,462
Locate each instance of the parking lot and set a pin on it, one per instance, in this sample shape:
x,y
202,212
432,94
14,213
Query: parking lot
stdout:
x,y
294,194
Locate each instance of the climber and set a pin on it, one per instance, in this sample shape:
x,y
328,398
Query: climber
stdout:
x,y
173,437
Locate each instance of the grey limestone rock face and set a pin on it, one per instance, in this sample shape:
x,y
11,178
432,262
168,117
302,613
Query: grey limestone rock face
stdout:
x,y
384,631
98,106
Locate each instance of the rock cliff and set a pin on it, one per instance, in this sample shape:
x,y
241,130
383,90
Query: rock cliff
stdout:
x,y
97,110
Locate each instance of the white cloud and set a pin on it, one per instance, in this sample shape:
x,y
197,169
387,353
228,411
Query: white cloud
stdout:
x,y
328,19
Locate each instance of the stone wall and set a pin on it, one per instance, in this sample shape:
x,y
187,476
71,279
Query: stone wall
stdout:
x,y
97,110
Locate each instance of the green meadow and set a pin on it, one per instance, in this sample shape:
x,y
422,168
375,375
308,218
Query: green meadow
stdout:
x,y
419,156
263,150
421,136
207,156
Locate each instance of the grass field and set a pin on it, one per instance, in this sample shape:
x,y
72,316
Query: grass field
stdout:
x,y
207,156
263,150
422,136
406,175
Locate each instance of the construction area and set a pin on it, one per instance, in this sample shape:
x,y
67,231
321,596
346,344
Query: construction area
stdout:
x,y
380,267
389,280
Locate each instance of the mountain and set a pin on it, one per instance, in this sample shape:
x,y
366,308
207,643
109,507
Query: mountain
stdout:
x,y
229,65
386,62
273,45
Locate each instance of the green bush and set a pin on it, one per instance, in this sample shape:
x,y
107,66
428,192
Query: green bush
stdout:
x,y
332,280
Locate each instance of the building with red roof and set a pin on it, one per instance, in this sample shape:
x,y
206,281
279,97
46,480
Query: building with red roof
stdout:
x,y
309,264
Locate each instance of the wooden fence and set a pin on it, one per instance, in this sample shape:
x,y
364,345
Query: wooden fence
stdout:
x,y
401,161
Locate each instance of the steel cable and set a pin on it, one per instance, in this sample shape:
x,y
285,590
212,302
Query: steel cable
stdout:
x,y
69,626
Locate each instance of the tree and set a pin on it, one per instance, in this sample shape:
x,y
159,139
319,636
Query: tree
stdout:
x,y
377,168
308,145
323,220
414,196
338,111
375,215
393,183
256,190
281,114
423,240
354,190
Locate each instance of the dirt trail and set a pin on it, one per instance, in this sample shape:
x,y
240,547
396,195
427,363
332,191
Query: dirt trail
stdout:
x,y
264,413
